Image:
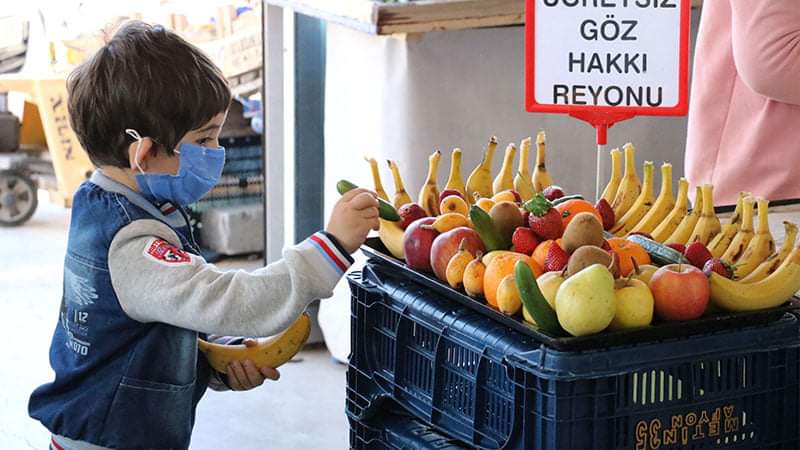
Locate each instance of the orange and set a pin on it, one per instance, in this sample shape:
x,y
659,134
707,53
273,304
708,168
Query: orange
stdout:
x,y
570,208
627,250
540,253
500,267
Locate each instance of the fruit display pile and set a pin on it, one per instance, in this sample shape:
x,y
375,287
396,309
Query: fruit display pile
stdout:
x,y
567,266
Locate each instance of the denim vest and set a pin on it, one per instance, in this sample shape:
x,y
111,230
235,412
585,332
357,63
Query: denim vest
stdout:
x,y
118,383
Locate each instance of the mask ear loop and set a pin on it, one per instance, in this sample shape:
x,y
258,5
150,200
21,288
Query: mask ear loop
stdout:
x,y
135,134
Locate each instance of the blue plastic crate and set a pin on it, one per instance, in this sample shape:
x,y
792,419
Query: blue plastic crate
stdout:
x,y
395,430
493,388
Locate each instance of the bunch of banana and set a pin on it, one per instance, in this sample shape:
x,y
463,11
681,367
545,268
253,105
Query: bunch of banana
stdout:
x,y
708,225
686,227
272,352
390,233
454,181
629,187
723,240
641,205
761,246
664,204
541,178
480,180
675,217
522,181
743,236
429,195
771,264
616,176
505,179
376,178
769,292
401,197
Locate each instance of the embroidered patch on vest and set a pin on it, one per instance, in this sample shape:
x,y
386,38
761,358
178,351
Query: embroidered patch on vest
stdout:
x,y
165,253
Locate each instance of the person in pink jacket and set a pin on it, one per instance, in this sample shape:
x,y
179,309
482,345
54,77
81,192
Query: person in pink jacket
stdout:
x,y
744,113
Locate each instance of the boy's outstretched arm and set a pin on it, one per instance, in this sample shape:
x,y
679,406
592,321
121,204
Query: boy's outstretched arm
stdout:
x,y
156,281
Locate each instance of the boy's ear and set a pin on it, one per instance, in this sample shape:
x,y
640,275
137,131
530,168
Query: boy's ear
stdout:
x,y
144,153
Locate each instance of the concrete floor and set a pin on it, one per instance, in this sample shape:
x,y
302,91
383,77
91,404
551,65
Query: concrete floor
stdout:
x,y
304,409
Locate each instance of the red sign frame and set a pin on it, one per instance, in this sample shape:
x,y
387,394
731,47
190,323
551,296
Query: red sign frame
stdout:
x,y
605,116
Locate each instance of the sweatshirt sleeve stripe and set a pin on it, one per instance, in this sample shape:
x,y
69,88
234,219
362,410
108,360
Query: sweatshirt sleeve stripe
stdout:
x,y
333,256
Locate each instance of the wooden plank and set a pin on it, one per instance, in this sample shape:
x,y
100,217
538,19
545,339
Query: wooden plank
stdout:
x,y
431,15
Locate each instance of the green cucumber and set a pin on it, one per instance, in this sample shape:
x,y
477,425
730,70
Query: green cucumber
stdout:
x,y
566,198
385,209
533,300
659,253
484,225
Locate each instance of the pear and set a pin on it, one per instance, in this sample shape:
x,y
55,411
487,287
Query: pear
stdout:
x,y
634,305
548,283
585,302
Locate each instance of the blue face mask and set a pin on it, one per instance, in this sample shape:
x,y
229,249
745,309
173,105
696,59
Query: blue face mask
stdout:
x,y
198,172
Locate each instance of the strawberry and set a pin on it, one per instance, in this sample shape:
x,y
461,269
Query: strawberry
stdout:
x,y
680,248
544,219
556,259
719,266
697,254
606,213
524,240
606,246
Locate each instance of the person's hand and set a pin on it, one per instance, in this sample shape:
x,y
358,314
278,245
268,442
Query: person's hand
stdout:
x,y
353,216
243,376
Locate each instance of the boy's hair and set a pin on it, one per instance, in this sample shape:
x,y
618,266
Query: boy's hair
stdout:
x,y
146,78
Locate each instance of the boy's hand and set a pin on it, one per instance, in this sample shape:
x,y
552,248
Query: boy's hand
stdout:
x,y
243,376
353,216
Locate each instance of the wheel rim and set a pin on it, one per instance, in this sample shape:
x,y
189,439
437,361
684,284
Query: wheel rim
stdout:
x,y
16,198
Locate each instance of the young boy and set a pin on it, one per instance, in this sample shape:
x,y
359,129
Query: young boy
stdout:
x,y
148,108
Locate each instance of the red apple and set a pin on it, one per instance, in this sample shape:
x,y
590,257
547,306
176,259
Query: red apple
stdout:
x,y
446,245
553,192
409,213
681,292
448,192
417,242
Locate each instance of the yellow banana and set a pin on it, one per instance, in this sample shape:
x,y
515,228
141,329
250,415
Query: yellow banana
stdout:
x,y
272,352
391,235
480,180
522,181
685,228
630,187
505,179
675,217
616,176
401,197
429,194
723,240
447,222
761,246
455,181
775,260
641,206
663,205
376,178
708,226
770,292
541,178
744,235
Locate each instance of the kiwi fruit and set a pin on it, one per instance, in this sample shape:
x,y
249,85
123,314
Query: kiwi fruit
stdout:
x,y
588,255
506,217
583,229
